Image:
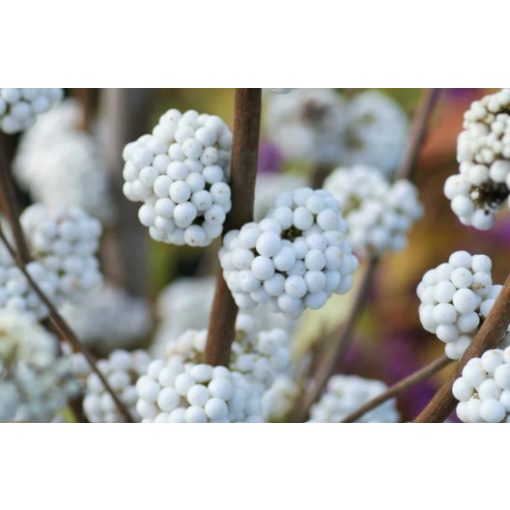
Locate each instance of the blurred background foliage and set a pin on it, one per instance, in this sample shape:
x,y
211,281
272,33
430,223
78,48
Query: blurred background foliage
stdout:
x,y
390,342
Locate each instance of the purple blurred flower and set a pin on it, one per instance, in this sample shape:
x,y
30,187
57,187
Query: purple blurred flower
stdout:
x,y
500,233
270,158
461,95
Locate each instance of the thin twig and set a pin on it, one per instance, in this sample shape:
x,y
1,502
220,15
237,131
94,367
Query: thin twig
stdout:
x,y
88,100
67,333
337,343
318,175
339,340
242,182
489,336
400,387
418,132
10,205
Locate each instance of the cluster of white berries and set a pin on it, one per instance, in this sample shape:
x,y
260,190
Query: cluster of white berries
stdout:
x,y
121,369
62,166
108,319
265,357
189,347
65,241
259,356
481,188
378,214
185,305
174,391
483,390
377,132
180,173
319,126
16,293
262,357
19,107
455,298
34,383
294,258
345,394
308,125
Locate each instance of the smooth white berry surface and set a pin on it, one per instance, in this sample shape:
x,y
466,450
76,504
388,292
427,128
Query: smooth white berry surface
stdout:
x,y
378,214
19,108
455,298
346,393
262,357
293,259
180,172
178,392
483,389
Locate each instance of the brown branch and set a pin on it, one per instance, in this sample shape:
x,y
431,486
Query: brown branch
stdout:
x,y
9,205
242,182
400,387
418,132
489,336
318,175
124,115
339,340
88,100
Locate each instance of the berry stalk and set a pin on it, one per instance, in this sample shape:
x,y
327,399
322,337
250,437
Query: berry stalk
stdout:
x,y
419,130
88,100
488,337
400,387
318,175
245,147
